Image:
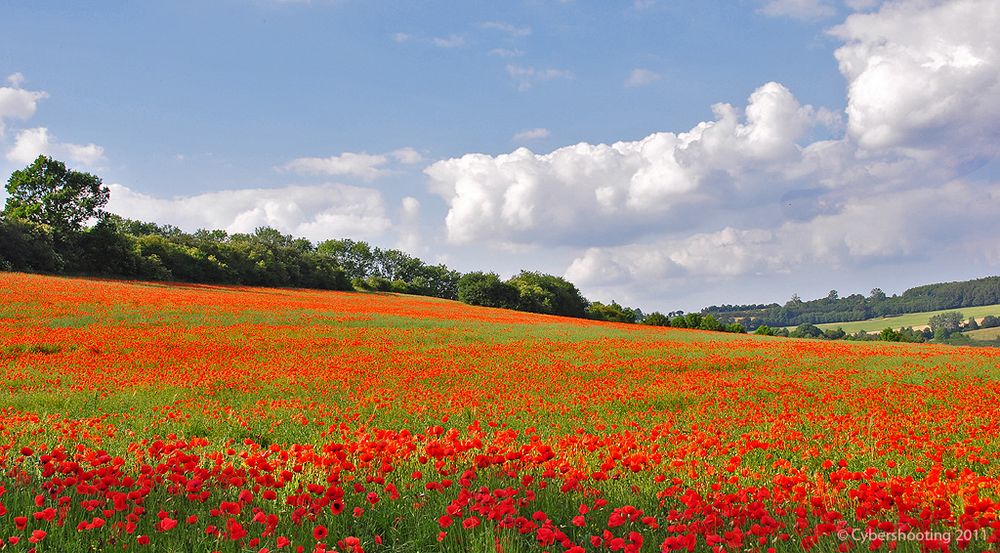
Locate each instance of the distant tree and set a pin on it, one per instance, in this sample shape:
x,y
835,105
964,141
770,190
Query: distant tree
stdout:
x,y
876,295
656,319
708,322
47,193
764,330
806,330
612,312
25,246
890,335
831,334
679,322
907,334
486,289
542,293
736,328
781,332
833,295
692,320
972,324
990,321
944,324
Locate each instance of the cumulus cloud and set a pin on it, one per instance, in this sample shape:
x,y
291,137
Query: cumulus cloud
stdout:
x,y
362,165
315,212
864,231
523,196
531,134
16,102
641,77
527,76
408,225
31,143
774,186
798,9
924,77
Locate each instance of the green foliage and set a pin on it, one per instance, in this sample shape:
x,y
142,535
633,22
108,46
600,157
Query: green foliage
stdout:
x,y
612,312
656,319
486,289
692,320
709,322
369,265
764,330
27,246
834,334
47,193
542,293
944,324
972,324
990,321
833,308
806,330
890,335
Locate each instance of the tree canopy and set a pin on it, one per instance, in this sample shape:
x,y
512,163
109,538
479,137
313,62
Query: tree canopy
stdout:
x,y
47,193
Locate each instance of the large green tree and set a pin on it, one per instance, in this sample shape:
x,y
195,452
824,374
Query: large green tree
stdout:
x,y
47,193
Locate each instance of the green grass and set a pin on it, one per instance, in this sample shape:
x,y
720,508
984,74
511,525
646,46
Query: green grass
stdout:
x,y
984,334
915,320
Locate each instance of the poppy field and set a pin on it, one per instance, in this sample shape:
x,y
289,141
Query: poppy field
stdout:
x,y
182,418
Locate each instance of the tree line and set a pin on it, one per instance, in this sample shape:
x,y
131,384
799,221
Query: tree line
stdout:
x,y
54,221
856,307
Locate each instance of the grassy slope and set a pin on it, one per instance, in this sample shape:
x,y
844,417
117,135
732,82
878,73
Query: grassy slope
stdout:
x,y
984,333
916,320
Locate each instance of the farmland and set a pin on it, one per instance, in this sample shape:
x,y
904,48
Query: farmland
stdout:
x,y
157,417
914,320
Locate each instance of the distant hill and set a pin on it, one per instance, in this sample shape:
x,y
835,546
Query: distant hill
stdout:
x,y
833,308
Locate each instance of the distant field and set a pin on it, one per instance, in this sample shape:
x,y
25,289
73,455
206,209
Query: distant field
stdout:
x,y
916,320
984,333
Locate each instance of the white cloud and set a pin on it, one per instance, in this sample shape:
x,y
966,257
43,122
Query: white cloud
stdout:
x,y
17,103
401,37
451,41
31,143
528,76
641,77
362,165
409,225
407,155
512,30
315,212
507,52
527,197
866,230
531,134
924,77
15,79
862,5
752,191
806,10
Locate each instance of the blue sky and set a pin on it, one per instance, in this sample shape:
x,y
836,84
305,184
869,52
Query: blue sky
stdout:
x,y
360,119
